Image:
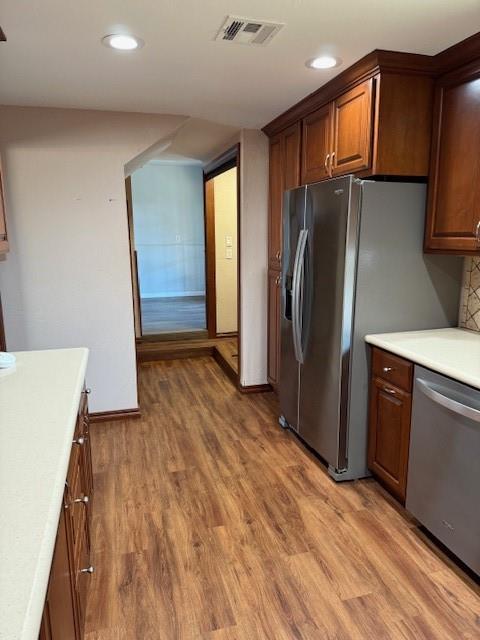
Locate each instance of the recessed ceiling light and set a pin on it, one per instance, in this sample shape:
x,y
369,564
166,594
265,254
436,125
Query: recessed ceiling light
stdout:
x,y
323,62
122,41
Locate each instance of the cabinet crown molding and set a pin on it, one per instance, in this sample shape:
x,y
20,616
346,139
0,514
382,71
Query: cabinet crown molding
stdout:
x,y
378,61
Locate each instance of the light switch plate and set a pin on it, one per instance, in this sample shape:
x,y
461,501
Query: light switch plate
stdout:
x,y
229,253
228,241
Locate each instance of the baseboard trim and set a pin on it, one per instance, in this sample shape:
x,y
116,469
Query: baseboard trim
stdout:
x,y
121,414
255,388
225,366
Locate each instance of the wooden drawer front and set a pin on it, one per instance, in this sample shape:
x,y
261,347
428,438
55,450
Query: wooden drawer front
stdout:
x,y
392,369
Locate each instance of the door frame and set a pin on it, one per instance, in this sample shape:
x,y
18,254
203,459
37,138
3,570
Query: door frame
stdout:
x,y
137,308
227,160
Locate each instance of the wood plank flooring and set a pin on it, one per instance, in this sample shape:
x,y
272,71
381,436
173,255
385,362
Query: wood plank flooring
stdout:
x,y
211,523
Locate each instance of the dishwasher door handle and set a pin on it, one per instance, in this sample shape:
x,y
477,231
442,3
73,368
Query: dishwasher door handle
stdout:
x,y
449,403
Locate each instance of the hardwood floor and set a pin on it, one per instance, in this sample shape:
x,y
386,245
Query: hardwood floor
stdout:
x,y
173,315
228,348
211,523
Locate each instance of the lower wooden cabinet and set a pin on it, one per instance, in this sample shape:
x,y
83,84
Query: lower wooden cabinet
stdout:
x,y
59,619
273,369
65,604
389,423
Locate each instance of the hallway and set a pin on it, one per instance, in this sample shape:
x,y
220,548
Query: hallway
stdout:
x,y
210,522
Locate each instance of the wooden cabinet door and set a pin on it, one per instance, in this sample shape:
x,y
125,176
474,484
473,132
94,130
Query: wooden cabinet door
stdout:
x,y
389,435
316,145
454,194
352,130
273,326
291,146
276,182
59,615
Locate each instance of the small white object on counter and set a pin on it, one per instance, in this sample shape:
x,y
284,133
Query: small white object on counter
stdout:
x,y
7,360
38,410
453,352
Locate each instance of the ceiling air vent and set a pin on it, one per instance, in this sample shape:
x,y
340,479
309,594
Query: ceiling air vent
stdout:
x,y
246,31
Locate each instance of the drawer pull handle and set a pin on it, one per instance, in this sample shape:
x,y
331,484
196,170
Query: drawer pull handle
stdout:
x,y
89,569
79,441
278,255
325,164
85,500
388,369
390,391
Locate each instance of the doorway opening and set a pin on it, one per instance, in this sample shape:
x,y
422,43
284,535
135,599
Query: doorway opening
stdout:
x,y
222,257
168,245
184,223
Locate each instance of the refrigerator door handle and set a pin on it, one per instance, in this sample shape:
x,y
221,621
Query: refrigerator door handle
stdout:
x,y
447,402
297,294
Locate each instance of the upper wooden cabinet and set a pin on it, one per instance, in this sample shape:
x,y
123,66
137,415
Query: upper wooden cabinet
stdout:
x,y
380,127
352,131
453,219
316,145
284,174
3,226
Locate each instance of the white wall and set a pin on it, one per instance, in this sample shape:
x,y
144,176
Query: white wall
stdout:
x,y
66,281
226,274
169,229
253,259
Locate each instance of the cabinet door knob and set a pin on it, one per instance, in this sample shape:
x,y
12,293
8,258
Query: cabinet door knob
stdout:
x,y
79,440
387,369
89,569
87,390
390,391
85,500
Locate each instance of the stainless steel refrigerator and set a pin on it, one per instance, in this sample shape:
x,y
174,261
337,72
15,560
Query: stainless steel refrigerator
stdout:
x,y
352,264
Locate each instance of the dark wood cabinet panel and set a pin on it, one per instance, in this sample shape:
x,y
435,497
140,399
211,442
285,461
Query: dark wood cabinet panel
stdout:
x,y
64,611
352,130
389,425
453,220
316,152
284,174
292,138
276,183
273,326
59,621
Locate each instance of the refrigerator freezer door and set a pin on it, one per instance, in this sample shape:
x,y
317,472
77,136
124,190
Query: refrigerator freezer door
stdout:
x,y
332,213
293,223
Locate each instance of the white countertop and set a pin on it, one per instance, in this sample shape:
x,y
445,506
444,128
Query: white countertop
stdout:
x,y
453,352
38,409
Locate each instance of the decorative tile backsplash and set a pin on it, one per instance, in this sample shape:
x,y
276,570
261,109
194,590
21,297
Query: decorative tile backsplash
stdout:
x,y
469,317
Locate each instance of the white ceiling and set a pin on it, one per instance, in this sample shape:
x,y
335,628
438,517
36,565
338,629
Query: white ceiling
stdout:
x,y
53,56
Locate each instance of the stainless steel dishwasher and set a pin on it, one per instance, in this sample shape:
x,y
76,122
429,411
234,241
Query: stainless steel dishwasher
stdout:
x,y
443,488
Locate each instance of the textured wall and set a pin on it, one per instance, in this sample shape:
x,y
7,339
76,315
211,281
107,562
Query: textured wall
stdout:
x,y
66,281
470,298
